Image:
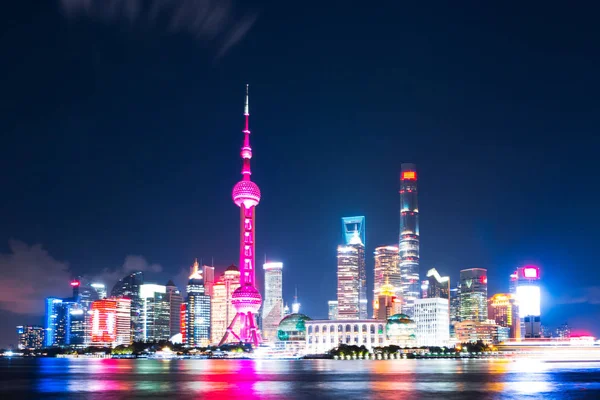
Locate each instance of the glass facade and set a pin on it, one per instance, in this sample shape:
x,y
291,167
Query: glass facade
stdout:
x,y
473,295
387,268
348,287
409,237
272,309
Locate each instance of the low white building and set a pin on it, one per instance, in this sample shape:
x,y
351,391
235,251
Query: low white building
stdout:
x,y
324,335
433,322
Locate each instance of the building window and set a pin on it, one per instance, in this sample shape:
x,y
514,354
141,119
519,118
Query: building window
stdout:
x,y
317,329
340,328
331,329
364,328
348,328
310,330
355,328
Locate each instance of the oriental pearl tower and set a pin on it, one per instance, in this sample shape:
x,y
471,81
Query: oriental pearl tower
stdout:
x,y
246,299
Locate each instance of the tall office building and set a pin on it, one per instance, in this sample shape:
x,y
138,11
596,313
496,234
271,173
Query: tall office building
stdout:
x,y
438,286
129,287
353,230
222,310
155,315
100,289
55,322
175,299
503,309
433,321
455,304
473,295
348,287
526,284
208,273
198,310
332,309
386,303
111,322
272,311
30,337
409,237
386,268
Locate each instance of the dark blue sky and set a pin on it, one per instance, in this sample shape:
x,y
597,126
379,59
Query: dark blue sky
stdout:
x,y
121,136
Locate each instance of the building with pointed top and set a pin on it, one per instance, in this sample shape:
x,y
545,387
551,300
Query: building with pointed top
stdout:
x,y
350,267
198,310
409,237
246,299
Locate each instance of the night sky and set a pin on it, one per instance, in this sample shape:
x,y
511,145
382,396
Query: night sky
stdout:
x,y
121,127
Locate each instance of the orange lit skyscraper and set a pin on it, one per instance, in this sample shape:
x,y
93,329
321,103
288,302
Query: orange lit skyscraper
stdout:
x,y
503,309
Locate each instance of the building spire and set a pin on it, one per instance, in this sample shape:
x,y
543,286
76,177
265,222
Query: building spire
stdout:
x,y
246,149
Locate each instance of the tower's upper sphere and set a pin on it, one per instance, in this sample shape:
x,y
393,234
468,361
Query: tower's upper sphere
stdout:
x,y
247,193
246,299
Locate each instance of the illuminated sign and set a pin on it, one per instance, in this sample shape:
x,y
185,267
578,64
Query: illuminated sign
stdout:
x,y
528,297
409,175
531,272
273,265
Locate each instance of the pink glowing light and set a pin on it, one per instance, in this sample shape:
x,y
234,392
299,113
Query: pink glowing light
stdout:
x,y
246,299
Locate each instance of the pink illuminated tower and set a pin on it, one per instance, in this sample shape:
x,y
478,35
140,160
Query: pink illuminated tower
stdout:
x,y
246,299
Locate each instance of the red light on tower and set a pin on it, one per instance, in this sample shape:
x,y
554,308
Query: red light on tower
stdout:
x,y
409,175
483,279
75,283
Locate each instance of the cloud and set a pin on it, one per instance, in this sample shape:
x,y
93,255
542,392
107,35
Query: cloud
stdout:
x,y
30,275
209,21
588,295
132,263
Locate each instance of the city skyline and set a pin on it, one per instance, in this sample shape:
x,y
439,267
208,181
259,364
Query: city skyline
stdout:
x,y
101,166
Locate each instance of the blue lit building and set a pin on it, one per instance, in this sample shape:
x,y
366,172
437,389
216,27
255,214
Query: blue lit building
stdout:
x,y
353,230
198,310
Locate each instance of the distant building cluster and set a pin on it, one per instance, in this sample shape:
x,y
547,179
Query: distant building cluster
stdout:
x,y
406,311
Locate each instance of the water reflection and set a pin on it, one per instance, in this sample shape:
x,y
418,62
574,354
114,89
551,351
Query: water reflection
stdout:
x,y
300,379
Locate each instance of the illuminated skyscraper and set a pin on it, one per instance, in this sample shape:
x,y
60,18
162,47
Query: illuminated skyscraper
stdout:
x,y
438,286
409,238
30,337
503,309
198,310
156,310
353,230
175,299
100,289
246,299
473,295
208,273
386,267
455,304
272,311
111,322
348,288
386,303
55,322
129,287
222,310
526,283
433,323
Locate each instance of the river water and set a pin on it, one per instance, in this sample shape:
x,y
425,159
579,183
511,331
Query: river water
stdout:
x,y
54,378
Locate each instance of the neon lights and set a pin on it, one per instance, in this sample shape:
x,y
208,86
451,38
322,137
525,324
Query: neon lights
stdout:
x,y
409,175
531,272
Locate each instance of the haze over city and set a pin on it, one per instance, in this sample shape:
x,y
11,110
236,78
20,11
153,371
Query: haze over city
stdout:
x,y
121,137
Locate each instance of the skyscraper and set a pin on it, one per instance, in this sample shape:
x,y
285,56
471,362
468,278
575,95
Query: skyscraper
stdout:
x,y
55,322
526,284
503,309
439,286
455,304
175,299
473,295
272,311
198,310
155,315
208,273
222,310
111,322
348,280
386,268
246,299
433,323
409,237
386,303
353,230
129,287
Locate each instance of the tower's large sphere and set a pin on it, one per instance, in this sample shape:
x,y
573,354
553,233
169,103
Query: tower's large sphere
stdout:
x,y
246,299
246,192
